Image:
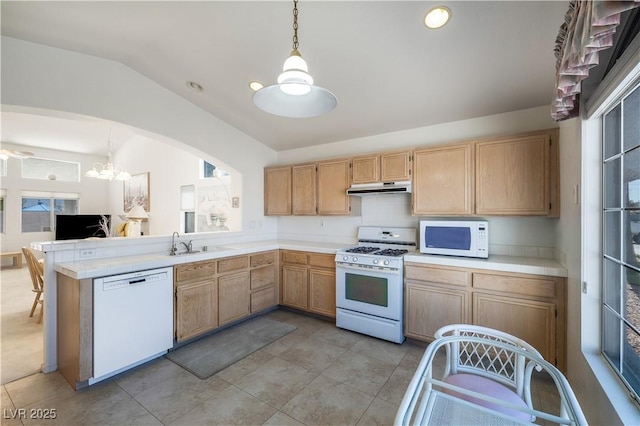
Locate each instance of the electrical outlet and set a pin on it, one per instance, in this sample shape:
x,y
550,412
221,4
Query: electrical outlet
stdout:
x,y
87,253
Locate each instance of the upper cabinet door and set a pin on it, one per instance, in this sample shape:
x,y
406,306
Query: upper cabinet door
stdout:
x,y
277,191
395,166
304,189
333,182
512,176
443,180
366,169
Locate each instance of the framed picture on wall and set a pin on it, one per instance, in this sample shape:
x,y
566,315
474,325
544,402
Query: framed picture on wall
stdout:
x,y
136,191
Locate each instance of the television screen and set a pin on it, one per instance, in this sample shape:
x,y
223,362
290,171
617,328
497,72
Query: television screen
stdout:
x,y
79,226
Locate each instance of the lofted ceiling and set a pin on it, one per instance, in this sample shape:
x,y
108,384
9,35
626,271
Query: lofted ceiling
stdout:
x,y
387,70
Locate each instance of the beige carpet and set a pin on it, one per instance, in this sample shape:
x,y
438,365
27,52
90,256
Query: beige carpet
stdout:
x,y
211,354
20,336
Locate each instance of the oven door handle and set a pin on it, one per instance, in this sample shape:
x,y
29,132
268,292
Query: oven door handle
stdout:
x,y
379,269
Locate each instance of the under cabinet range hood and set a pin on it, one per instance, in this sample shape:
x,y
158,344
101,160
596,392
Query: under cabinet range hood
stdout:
x,y
402,187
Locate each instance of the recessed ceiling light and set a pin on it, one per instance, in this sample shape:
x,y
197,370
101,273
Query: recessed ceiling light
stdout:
x,y
437,17
194,86
255,85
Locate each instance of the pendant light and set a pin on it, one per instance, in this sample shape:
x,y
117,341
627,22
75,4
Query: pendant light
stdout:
x,y
108,171
295,96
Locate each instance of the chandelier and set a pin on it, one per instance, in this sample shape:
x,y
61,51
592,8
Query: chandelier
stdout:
x,y
108,171
295,96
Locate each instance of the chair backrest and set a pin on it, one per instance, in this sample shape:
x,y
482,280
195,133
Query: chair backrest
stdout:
x,y
35,269
486,360
415,405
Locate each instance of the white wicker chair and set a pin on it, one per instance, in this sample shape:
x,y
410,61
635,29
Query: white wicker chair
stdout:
x,y
489,370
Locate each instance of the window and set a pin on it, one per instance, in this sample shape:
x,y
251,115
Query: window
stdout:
x,y
621,238
45,169
39,209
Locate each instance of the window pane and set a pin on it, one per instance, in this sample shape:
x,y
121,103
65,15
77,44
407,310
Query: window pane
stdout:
x,y
612,234
612,283
632,298
45,169
612,133
632,120
611,337
611,184
66,206
631,178
631,359
631,240
36,215
208,169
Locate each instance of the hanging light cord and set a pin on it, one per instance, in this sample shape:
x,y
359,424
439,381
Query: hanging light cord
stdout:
x,y
295,25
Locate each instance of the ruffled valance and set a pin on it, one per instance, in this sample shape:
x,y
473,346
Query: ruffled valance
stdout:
x,y
588,28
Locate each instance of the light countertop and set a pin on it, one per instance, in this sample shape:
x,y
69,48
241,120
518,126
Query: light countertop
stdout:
x,y
523,265
94,268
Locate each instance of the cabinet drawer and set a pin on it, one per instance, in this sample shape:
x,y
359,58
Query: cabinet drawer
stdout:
x,y
437,275
322,260
263,299
233,264
262,277
529,286
190,271
294,257
261,259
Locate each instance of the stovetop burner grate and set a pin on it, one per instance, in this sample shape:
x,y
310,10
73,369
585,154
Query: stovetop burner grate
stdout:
x,y
391,252
362,250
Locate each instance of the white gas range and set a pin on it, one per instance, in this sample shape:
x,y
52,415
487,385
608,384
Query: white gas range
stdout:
x,y
369,282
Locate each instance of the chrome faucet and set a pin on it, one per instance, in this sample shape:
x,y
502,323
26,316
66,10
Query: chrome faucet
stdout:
x,y
188,246
174,249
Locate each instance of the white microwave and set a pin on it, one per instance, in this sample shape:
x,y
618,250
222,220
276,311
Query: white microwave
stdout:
x,y
455,238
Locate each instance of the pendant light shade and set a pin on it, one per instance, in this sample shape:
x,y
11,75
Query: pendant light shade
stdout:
x,y
295,96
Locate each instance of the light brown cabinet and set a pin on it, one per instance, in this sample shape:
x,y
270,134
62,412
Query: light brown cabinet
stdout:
x,y
308,282
263,280
333,181
531,307
304,189
434,297
277,191
213,293
234,297
308,189
443,180
386,167
196,299
197,308
514,175
518,175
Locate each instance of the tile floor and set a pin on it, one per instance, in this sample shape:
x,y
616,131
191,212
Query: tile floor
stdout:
x,y
316,375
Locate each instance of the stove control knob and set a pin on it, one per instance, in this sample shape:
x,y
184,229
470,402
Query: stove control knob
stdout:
x,y
355,258
386,262
375,261
345,258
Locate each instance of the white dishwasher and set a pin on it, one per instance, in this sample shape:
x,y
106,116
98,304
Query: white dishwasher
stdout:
x,y
132,320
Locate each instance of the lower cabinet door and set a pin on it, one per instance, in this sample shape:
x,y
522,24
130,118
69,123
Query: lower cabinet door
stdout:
x,y
196,308
532,321
233,297
294,286
429,308
322,292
